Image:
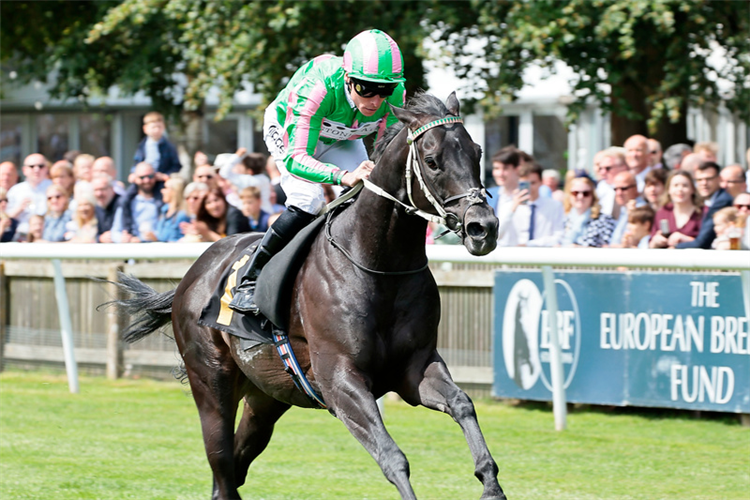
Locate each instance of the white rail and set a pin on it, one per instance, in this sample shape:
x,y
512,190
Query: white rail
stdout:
x,y
543,257
584,257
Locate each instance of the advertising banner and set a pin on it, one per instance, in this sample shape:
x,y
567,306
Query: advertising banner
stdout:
x,y
637,339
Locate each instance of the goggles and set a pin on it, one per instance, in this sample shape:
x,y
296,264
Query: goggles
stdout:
x,y
371,89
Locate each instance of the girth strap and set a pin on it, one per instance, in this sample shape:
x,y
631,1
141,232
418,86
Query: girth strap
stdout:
x,y
292,367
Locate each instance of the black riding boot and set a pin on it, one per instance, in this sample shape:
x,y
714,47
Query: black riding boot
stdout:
x,y
289,223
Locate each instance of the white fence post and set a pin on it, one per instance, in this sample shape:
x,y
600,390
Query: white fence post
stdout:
x,y
559,404
66,327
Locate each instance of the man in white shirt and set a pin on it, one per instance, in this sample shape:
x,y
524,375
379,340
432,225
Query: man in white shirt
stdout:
x,y
531,220
505,174
30,196
611,163
637,157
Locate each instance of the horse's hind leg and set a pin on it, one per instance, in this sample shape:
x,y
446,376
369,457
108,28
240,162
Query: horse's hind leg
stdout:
x,y
217,390
435,389
259,415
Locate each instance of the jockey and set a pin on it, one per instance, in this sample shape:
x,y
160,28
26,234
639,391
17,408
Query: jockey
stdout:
x,y
314,130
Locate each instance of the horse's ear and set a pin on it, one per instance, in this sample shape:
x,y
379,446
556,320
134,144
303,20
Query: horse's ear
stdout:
x,y
452,104
405,116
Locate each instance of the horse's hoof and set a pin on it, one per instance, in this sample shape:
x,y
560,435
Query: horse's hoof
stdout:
x,y
495,497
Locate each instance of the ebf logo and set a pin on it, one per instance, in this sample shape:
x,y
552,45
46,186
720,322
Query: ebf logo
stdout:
x,y
526,334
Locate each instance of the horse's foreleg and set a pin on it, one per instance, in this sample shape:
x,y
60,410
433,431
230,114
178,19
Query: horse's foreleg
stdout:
x,y
254,431
436,390
352,402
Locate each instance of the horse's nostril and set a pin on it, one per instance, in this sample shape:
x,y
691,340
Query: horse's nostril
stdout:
x,y
476,230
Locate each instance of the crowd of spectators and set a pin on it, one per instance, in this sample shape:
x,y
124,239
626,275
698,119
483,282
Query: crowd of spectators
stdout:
x,y
635,196
79,198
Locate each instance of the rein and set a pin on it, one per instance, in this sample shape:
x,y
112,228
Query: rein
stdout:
x,y
414,163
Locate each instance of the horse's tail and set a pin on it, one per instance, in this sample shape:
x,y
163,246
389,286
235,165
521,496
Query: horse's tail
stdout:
x,y
150,309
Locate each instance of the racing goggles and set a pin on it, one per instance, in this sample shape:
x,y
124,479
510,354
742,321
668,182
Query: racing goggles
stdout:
x,y
371,89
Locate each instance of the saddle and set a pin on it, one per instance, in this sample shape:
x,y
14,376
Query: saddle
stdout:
x,y
273,293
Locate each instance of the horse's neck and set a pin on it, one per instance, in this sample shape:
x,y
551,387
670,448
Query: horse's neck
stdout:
x,y
379,231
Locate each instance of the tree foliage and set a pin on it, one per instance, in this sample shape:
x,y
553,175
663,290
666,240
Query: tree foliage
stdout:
x,y
643,60
176,50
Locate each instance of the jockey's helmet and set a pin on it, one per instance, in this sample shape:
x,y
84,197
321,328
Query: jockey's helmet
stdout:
x,y
374,56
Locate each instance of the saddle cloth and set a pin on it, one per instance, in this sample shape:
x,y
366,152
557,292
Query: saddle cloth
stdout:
x,y
273,292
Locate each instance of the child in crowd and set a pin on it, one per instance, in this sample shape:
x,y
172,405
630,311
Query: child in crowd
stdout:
x,y
36,228
729,227
258,218
638,233
156,150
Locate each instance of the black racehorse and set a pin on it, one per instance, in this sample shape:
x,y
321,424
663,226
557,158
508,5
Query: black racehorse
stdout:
x,y
364,314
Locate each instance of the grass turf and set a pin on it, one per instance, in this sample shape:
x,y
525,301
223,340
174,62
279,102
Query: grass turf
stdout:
x,y
140,439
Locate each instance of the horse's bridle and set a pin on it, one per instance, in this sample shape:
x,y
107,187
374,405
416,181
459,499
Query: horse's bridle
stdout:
x,y
413,162
474,196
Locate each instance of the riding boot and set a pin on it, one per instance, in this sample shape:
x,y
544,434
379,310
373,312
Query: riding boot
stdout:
x,y
281,232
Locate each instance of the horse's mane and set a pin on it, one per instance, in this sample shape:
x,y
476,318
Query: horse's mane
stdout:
x,y
422,103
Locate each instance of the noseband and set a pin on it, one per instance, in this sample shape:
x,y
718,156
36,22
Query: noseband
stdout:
x,y
474,196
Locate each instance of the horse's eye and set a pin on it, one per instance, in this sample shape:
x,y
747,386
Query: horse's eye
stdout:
x,y
430,161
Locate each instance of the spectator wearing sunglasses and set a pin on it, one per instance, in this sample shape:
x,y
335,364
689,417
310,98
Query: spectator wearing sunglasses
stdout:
x,y
626,198
733,180
206,175
29,197
585,224
138,215
58,214
611,162
314,130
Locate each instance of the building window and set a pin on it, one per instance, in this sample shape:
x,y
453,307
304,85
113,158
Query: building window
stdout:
x,y
221,137
95,134
550,142
52,135
11,129
498,133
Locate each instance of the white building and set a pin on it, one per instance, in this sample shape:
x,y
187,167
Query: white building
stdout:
x,y
535,122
